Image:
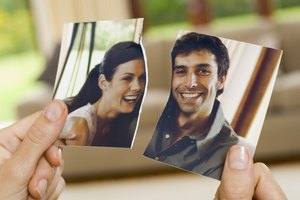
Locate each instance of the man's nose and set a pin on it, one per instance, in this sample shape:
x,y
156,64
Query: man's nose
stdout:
x,y
191,80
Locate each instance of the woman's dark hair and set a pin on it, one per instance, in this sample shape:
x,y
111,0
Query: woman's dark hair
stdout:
x,y
121,133
90,92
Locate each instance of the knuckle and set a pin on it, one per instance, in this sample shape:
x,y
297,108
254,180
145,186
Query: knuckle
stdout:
x,y
239,193
45,170
38,133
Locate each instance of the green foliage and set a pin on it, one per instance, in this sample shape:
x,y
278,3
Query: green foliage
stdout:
x,y
15,28
18,74
158,12
10,5
111,32
287,3
223,8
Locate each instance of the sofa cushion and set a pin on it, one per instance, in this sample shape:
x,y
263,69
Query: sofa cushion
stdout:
x,y
286,93
290,32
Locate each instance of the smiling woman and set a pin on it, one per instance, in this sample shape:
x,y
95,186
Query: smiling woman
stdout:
x,y
106,108
104,101
101,77
105,111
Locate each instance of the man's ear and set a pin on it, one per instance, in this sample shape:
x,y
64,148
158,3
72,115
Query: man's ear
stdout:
x,y
102,82
221,82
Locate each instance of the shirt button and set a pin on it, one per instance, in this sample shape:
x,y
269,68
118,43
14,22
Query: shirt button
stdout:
x,y
156,158
167,136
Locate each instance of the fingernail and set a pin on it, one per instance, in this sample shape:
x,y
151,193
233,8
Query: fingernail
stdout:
x,y
59,155
54,111
238,158
41,187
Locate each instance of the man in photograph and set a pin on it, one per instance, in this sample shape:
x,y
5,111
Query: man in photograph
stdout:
x,y
192,132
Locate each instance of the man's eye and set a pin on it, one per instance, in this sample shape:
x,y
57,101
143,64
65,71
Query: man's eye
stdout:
x,y
180,71
204,71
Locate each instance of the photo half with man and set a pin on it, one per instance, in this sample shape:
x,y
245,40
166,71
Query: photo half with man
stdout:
x,y
220,91
102,78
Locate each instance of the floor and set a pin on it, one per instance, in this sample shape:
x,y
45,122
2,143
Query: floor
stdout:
x,y
172,186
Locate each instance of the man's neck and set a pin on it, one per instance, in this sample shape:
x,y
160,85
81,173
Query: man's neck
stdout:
x,y
194,124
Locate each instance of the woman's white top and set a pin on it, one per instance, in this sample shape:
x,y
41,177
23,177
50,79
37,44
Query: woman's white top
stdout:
x,y
87,112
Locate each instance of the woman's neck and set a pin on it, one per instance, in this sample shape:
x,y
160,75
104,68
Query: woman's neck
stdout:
x,y
103,110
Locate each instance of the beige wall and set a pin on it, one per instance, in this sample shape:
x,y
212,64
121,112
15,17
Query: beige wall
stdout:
x,y
50,15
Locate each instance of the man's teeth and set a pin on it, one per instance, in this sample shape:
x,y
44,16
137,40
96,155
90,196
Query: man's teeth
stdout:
x,y
190,95
130,98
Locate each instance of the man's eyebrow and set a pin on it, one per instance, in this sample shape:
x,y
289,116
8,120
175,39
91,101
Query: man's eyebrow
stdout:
x,y
179,67
203,65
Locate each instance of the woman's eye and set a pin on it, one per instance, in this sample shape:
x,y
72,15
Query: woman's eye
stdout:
x,y
143,78
127,78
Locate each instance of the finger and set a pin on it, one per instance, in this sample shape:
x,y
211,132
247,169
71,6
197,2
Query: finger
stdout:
x,y
54,156
266,183
25,123
238,180
41,179
13,135
41,135
58,189
55,186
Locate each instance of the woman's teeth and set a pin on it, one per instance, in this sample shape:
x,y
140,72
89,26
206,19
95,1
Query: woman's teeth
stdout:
x,y
130,98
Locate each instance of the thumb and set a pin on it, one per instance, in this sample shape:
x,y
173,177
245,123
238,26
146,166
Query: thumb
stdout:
x,y
41,135
238,178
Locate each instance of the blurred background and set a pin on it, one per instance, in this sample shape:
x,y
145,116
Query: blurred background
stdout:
x,y
30,36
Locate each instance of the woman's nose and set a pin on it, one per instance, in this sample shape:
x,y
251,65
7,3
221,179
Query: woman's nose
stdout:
x,y
136,85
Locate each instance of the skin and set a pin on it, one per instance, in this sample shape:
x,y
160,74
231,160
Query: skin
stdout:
x,y
243,180
30,165
120,95
123,91
26,154
194,87
81,132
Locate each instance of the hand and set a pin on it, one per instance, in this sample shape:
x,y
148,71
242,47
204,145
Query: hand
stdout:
x,y
243,180
30,166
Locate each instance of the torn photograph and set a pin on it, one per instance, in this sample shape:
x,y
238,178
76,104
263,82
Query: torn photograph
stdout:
x,y
102,79
220,90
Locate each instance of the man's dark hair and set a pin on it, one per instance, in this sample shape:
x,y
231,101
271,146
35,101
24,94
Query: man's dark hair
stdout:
x,y
192,42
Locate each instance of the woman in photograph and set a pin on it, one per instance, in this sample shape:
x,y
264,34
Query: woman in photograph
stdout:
x,y
106,109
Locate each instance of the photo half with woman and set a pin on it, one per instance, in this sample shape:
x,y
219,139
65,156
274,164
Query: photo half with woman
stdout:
x,y
102,78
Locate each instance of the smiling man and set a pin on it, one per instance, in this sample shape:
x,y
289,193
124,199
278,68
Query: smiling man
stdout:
x,y
192,132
